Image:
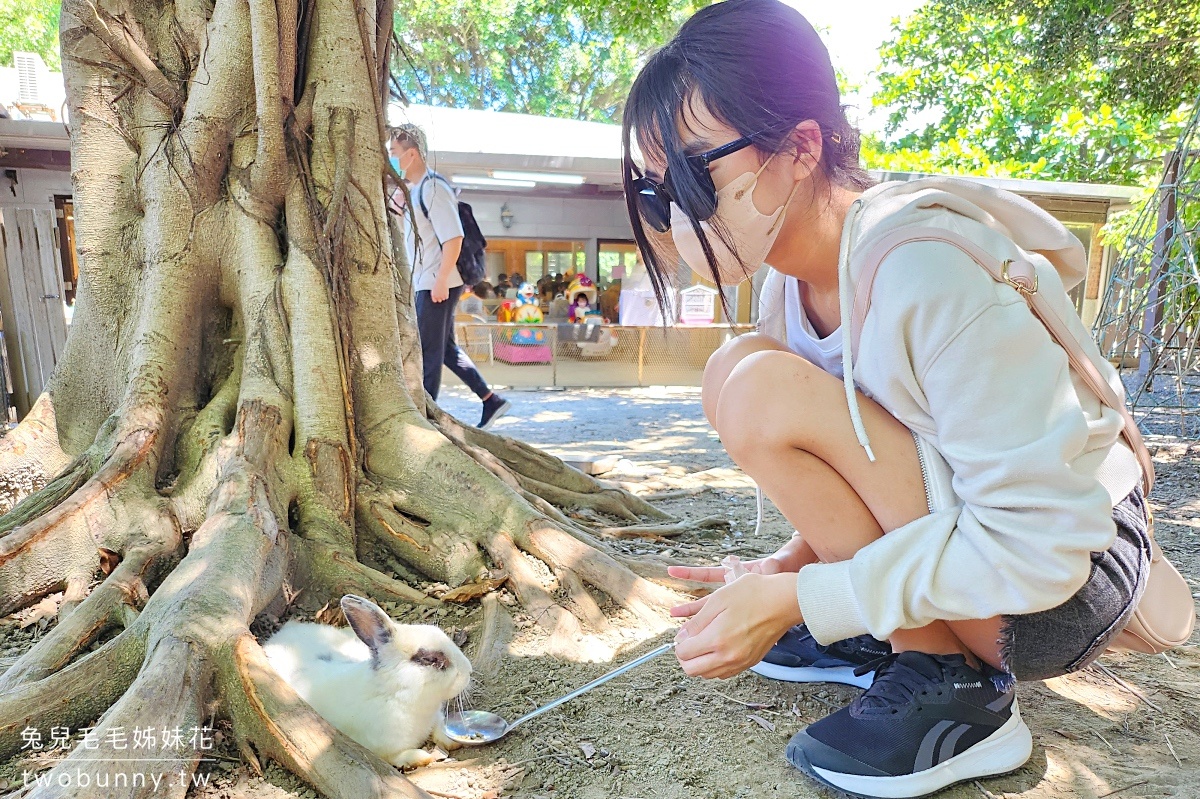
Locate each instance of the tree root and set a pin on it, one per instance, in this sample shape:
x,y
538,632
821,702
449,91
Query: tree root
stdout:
x,y
31,452
168,694
567,637
607,501
111,604
544,474
62,544
74,696
654,570
438,553
561,550
581,603
44,499
268,715
331,574
494,638
664,530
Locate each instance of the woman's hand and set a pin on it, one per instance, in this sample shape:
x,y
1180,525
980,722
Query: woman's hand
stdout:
x,y
732,628
791,557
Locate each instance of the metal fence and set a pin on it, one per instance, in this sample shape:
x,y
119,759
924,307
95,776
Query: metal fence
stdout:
x,y
590,356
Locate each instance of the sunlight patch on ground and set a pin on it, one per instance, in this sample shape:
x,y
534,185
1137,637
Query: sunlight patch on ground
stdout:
x,y
543,417
1069,772
1102,698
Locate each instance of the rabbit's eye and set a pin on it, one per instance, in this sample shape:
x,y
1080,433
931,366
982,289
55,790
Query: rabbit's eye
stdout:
x,y
432,658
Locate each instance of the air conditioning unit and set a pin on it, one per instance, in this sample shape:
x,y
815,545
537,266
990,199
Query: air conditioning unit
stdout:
x,y
29,68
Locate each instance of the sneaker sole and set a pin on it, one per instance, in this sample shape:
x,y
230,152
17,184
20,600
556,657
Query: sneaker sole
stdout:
x,y
503,409
1005,750
839,674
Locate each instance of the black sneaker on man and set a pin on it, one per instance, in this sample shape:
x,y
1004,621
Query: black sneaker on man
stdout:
x,y
927,722
494,407
797,657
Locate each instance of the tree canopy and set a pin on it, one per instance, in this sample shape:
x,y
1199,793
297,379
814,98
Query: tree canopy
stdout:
x,y
1037,90
30,26
1148,51
573,60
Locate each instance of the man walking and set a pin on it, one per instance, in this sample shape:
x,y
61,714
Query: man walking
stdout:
x,y
433,250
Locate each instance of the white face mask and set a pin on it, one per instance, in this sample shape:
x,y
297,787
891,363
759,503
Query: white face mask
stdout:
x,y
751,232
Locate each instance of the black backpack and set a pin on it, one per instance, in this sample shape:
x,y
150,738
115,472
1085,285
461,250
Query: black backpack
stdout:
x,y
471,265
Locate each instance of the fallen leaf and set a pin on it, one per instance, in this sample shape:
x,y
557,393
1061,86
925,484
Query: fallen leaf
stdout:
x,y
588,750
760,721
469,591
43,610
109,560
332,614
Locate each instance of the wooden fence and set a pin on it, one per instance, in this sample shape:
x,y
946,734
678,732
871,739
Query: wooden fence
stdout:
x,y
31,300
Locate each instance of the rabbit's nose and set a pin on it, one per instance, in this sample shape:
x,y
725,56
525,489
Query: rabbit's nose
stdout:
x,y
432,658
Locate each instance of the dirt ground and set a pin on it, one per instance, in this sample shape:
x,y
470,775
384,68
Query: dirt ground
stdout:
x,y
1128,728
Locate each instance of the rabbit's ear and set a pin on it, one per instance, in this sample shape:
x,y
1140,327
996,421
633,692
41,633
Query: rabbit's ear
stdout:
x,y
370,624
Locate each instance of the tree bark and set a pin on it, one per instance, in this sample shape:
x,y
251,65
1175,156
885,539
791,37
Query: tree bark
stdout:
x,y
238,415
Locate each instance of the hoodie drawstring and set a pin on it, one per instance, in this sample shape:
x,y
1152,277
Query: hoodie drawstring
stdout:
x,y
844,300
844,303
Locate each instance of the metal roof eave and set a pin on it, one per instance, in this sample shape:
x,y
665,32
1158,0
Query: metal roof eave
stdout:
x,y
34,134
604,171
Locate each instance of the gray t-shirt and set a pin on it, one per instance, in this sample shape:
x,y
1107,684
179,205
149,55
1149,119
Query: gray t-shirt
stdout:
x,y
442,224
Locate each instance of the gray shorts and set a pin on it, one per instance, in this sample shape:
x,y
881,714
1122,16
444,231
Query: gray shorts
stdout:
x,y
1050,643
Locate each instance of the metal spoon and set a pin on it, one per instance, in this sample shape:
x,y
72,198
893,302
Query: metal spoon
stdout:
x,y
476,727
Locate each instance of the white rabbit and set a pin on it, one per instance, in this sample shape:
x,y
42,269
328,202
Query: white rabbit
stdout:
x,y
384,688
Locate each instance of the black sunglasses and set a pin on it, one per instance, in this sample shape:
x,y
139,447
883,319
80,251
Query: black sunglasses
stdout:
x,y
695,194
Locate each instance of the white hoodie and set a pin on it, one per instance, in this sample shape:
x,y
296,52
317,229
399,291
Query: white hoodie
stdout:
x,y
1018,454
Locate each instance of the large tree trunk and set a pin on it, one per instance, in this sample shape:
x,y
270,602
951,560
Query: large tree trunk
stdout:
x,y
238,416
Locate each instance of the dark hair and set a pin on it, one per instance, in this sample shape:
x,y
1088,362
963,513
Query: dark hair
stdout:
x,y
482,290
760,68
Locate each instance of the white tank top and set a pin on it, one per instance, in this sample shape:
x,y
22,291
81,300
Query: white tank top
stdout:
x,y
802,339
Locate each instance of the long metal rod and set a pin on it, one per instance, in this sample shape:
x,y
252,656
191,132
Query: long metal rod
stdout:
x,y
598,681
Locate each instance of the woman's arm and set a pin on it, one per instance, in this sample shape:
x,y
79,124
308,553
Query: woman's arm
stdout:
x,y
1010,424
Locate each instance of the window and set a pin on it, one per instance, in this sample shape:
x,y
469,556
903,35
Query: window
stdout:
x,y
1084,233
534,258
617,260
535,266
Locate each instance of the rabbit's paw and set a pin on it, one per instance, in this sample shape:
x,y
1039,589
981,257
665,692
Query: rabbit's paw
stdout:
x,y
440,738
413,758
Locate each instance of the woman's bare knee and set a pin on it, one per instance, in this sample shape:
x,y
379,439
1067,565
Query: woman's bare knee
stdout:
x,y
775,401
751,392
723,361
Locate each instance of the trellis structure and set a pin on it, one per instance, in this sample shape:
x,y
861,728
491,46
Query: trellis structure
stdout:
x,y
1149,321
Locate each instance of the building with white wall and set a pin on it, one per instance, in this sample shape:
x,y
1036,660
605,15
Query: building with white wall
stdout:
x,y
546,192
549,191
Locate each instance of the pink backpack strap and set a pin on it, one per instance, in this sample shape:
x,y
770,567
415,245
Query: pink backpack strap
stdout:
x,y
1022,276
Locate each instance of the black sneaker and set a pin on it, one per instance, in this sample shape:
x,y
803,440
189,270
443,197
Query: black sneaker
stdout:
x,y
797,657
494,407
927,722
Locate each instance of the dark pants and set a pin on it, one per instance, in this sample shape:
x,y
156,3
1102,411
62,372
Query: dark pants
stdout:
x,y
435,323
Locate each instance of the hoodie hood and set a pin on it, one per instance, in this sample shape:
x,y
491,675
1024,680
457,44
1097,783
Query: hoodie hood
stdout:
x,y
888,206
953,203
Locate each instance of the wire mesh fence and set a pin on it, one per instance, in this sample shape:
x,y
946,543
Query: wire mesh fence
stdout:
x,y
1149,321
590,355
